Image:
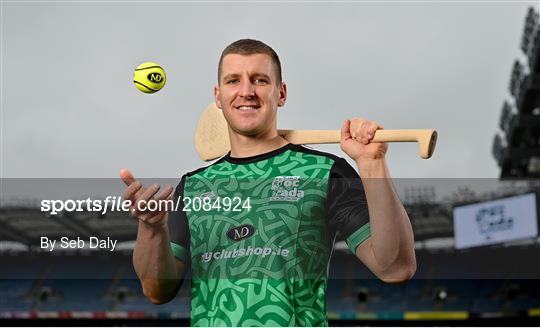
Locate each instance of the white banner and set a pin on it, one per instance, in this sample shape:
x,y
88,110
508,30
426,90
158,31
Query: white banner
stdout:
x,y
495,221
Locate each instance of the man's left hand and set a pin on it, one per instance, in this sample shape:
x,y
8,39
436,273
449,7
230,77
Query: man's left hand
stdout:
x,y
356,141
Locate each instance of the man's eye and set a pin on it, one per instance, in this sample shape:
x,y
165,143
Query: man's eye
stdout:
x,y
261,81
232,81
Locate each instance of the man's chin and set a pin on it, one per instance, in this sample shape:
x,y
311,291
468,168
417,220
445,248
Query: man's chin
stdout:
x,y
248,131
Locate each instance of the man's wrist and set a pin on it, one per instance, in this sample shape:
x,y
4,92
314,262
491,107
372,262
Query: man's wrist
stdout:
x,y
375,168
153,229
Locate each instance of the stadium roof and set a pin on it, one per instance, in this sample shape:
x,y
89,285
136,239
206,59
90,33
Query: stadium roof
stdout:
x,y
27,225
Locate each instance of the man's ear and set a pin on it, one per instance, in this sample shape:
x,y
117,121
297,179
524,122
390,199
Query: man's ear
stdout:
x,y
282,94
216,96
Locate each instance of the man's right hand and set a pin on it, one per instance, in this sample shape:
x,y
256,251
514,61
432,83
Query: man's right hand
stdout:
x,y
136,192
159,272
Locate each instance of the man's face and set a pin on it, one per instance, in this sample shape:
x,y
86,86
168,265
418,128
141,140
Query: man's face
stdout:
x,y
249,93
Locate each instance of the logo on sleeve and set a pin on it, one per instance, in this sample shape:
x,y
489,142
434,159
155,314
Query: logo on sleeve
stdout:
x,y
242,232
287,188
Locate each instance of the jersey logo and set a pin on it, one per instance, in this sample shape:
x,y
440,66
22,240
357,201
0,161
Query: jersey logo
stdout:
x,y
242,232
287,188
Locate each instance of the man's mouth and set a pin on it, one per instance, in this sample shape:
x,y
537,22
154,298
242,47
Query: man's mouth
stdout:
x,y
247,108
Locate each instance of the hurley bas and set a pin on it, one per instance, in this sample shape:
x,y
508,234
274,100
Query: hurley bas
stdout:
x,y
67,243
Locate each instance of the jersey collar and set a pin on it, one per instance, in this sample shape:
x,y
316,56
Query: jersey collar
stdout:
x,y
256,158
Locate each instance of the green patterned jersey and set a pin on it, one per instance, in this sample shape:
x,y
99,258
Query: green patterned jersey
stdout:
x,y
258,234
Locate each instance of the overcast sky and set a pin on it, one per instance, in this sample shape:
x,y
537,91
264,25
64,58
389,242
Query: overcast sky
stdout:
x,y
70,109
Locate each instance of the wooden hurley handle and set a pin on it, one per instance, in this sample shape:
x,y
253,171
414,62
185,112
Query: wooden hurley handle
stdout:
x,y
426,138
311,136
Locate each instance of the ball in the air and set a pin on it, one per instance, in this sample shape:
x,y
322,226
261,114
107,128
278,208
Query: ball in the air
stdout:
x,y
149,77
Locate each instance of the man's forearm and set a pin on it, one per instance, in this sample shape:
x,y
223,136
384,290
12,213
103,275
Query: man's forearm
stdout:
x,y
155,264
392,237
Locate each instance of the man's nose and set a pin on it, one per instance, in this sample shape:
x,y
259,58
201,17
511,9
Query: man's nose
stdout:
x,y
247,89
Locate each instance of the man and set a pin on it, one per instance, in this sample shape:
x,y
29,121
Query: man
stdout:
x,y
265,261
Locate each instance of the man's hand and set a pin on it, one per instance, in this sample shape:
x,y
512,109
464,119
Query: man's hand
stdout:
x,y
160,274
136,193
356,137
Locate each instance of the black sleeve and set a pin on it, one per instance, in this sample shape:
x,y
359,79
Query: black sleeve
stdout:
x,y
347,204
178,225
